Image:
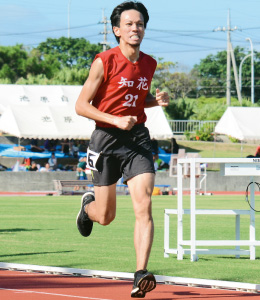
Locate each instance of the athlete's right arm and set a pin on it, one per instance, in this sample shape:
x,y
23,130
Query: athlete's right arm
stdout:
x,y
88,92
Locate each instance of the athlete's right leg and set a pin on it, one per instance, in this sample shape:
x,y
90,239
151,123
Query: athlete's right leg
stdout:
x,y
100,208
103,209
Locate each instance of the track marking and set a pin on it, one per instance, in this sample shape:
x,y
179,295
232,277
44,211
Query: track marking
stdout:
x,y
52,294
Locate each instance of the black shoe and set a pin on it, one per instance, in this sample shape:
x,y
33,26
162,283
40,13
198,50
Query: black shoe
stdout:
x,y
143,282
84,223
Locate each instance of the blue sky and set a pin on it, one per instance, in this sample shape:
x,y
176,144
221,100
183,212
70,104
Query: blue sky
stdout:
x,y
178,31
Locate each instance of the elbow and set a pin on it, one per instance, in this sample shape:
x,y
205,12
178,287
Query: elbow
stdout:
x,y
78,109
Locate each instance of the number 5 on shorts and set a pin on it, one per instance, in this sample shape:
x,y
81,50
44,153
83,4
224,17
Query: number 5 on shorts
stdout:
x,y
92,158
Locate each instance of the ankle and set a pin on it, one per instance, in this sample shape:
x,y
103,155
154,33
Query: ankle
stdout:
x,y
86,208
142,271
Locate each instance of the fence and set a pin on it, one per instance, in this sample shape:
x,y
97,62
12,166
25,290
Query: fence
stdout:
x,y
180,126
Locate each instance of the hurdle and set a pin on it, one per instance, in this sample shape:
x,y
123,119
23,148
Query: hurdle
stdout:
x,y
229,167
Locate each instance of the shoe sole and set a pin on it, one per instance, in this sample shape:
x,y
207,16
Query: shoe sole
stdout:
x,y
145,285
88,193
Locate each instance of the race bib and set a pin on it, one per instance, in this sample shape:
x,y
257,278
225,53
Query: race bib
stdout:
x,y
92,158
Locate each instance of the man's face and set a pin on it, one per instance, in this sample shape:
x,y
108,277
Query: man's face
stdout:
x,y
131,30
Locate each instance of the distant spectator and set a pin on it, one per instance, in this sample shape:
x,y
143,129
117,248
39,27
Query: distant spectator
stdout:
x,y
26,162
257,154
53,162
47,145
34,142
33,167
50,146
54,144
158,163
35,147
46,168
155,148
81,169
75,149
66,147
175,146
167,149
82,146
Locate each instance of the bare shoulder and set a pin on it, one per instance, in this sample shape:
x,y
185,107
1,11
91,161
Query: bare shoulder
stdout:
x,y
96,75
97,68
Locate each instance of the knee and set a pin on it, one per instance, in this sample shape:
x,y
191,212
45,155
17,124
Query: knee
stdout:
x,y
105,220
143,210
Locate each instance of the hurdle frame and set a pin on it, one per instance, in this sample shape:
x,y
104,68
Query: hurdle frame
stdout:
x,y
193,243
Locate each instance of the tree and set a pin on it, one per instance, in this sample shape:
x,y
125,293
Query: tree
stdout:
x,y
211,72
181,109
161,75
56,61
65,76
12,62
70,52
16,63
48,66
180,85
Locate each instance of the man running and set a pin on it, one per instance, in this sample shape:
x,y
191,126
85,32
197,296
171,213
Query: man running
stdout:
x,y
115,95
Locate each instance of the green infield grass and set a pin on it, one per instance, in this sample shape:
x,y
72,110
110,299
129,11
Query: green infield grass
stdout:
x,y
42,231
214,149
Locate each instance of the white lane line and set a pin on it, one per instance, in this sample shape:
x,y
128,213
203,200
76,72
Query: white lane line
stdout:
x,y
52,294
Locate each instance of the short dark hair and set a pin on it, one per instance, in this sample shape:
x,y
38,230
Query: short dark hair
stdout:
x,y
127,5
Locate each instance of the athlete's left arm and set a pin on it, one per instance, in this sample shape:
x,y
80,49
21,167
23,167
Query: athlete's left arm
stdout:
x,y
160,99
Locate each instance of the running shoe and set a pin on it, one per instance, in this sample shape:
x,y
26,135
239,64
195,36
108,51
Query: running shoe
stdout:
x,y
143,282
84,223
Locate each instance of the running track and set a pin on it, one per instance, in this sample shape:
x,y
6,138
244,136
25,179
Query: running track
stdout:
x,y
17,285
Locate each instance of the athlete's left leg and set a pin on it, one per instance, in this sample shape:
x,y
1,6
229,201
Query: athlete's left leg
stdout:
x,y
141,188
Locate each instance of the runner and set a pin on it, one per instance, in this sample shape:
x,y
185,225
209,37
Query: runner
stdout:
x,y
115,95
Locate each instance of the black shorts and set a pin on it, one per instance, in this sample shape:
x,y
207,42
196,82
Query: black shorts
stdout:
x,y
123,153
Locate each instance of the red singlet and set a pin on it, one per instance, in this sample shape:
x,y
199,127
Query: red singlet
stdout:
x,y
125,85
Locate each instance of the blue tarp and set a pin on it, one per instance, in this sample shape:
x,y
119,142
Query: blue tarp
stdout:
x,y
8,151
6,146
166,157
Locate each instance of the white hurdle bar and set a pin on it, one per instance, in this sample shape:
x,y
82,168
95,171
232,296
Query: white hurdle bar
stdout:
x,y
237,242
243,166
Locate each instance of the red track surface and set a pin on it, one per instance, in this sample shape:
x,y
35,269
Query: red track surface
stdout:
x,y
16,285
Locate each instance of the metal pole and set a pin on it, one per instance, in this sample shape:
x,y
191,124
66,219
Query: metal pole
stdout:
x,y
235,74
228,29
105,32
240,71
252,72
228,63
69,19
